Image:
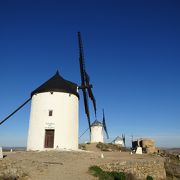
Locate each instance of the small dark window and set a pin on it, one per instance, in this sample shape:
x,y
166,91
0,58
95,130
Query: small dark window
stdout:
x,y
50,112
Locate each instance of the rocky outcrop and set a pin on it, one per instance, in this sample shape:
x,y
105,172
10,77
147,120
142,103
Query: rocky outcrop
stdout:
x,y
147,145
139,169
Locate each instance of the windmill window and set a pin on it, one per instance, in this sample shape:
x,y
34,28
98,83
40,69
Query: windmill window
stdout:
x,y
50,112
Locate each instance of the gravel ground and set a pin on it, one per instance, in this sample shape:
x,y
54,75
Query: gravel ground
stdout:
x,y
57,165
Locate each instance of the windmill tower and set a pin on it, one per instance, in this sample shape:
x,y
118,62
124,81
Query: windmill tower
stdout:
x,y
54,115
54,110
97,132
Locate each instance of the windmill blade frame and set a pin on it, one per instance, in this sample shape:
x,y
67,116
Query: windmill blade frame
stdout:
x,y
85,82
82,73
86,106
90,93
124,139
104,125
16,110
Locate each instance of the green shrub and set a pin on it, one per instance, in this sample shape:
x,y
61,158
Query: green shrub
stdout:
x,y
108,147
149,178
95,170
104,175
117,175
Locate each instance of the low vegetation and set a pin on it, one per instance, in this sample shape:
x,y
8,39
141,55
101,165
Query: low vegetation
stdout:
x,y
113,175
13,176
102,147
149,178
104,175
110,147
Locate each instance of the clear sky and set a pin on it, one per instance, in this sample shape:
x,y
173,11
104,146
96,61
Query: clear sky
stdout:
x,y
132,52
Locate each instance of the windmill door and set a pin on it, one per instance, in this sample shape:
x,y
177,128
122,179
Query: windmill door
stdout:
x,y
49,138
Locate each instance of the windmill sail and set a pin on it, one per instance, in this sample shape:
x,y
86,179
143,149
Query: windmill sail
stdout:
x,y
5,119
90,92
82,72
85,82
104,125
124,139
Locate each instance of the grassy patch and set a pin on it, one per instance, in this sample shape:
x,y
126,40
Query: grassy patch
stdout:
x,y
113,175
109,147
104,175
149,178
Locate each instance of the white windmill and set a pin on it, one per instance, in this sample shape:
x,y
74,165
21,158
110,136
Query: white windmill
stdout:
x,y
54,115
97,128
54,111
97,132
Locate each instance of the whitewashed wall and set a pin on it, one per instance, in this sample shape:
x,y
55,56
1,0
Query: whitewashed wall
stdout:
x,y
64,120
119,142
96,134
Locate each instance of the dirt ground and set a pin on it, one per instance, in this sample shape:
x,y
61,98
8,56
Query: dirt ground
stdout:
x,y
57,165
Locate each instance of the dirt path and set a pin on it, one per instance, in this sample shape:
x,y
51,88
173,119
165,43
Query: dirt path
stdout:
x,y
59,165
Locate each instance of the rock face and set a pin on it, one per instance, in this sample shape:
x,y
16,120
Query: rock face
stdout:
x,y
139,169
148,145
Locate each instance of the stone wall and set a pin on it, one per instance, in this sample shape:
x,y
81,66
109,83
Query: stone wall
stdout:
x,y
139,169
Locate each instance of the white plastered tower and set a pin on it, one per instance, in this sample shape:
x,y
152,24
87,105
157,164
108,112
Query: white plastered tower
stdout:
x,y
54,116
97,132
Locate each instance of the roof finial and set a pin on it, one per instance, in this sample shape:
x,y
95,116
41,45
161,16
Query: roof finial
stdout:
x,y
57,72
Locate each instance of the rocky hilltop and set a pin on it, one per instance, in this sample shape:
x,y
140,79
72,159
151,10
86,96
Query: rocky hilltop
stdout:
x,y
74,165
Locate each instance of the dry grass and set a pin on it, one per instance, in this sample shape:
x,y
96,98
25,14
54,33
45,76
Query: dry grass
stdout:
x,y
110,147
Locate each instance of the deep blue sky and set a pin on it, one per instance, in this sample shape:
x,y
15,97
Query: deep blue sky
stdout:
x,y
132,51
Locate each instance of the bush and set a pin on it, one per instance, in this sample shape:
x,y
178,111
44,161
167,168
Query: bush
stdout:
x,y
104,175
149,178
108,147
117,175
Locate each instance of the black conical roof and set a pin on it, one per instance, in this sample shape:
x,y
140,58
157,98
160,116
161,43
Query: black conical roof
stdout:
x,y
57,84
96,123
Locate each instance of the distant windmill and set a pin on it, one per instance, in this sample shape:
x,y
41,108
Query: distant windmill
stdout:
x,y
120,141
97,130
54,110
